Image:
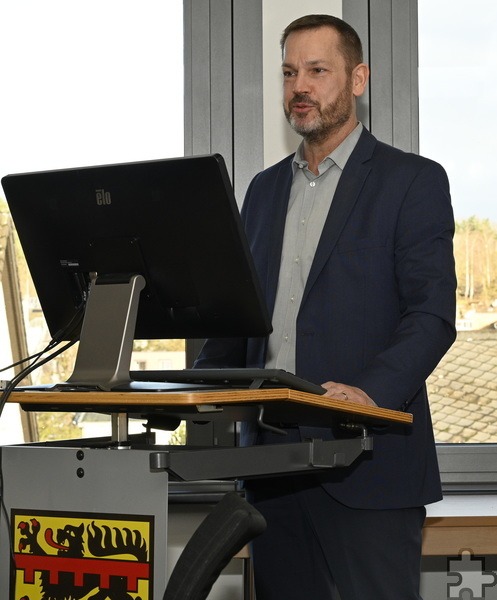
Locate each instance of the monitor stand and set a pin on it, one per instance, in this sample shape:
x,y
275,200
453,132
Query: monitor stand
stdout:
x,y
106,342
103,359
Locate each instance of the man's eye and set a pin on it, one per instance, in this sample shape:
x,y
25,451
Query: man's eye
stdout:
x,y
288,73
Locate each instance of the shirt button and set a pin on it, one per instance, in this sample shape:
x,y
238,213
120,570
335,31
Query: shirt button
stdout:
x,y
312,184
286,338
297,260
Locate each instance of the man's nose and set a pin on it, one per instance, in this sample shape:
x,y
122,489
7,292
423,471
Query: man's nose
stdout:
x,y
301,83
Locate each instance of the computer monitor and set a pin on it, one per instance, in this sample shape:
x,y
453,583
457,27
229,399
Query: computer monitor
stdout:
x,y
152,249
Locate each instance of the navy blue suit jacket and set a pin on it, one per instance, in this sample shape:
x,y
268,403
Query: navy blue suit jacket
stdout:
x,y
378,308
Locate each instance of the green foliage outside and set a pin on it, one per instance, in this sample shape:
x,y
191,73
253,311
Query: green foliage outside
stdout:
x,y
56,426
475,250
178,437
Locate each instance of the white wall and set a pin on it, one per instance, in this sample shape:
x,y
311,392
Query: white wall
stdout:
x,y
279,139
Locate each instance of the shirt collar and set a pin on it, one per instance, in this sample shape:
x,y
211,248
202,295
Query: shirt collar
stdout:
x,y
339,156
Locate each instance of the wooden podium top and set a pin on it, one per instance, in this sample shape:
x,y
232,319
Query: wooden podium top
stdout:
x,y
280,405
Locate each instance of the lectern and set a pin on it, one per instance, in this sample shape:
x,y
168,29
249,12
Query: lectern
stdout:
x,y
142,250
113,501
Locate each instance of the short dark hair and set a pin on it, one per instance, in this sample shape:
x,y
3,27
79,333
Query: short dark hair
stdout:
x,y
349,40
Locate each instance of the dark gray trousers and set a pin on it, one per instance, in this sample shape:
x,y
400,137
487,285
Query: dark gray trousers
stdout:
x,y
317,548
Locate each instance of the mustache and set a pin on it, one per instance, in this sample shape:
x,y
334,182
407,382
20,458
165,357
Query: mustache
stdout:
x,y
302,98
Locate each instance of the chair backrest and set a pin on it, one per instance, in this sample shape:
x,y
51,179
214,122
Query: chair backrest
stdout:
x,y
227,528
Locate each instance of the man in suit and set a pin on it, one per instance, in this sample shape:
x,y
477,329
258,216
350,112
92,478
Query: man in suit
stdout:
x,y
352,240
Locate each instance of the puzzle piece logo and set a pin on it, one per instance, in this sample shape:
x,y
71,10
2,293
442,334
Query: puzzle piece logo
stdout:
x,y
469,578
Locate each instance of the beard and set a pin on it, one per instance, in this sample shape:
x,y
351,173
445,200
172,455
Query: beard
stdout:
x,y
329,118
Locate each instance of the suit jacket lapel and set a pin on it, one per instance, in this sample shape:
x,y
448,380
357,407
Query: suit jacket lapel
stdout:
x,y
346,195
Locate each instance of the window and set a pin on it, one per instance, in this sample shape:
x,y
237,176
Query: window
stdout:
x,y
83,84
457,51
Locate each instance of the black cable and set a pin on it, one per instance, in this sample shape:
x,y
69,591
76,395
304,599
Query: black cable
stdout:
x,y
68,331
65,332
25,372
23,360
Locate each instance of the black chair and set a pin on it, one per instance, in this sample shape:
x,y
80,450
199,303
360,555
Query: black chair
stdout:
x,y
231,524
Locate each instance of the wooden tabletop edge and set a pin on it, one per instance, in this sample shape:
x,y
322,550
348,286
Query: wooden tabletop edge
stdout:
x,y
215,397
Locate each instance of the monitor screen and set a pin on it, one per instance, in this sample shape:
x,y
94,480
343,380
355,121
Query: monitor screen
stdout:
x,y
175,222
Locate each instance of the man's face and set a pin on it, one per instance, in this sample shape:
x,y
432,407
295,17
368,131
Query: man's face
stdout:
x,y
319,95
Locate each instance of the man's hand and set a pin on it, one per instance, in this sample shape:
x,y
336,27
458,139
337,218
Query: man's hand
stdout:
x,y
340,391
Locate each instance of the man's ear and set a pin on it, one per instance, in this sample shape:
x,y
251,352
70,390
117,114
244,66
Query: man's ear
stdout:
x,y
360,76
